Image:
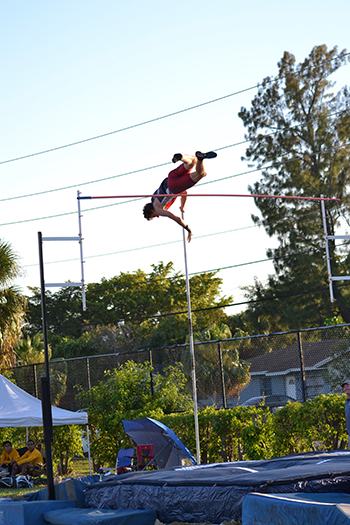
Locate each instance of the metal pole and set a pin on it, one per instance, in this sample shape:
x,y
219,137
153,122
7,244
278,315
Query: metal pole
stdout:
x,y
193,365
150,358
302,367
329,269
35,381
88,378
45,381
81,256
222,378
88,444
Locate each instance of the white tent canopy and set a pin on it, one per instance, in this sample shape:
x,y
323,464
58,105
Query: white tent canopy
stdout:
x,y
20,409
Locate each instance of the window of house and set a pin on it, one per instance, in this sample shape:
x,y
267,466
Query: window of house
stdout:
x,y
265,386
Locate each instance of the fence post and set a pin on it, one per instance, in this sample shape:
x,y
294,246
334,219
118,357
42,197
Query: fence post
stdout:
x,y
150,358
35,378
88,381
222,377
302,367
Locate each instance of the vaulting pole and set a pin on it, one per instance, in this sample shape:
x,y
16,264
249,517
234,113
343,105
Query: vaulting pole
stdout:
x,y
193,364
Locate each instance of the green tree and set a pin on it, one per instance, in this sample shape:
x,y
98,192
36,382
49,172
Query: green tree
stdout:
x,y
299,137
30,350
12,304
235,370
142,309
338,368
126,393
64,312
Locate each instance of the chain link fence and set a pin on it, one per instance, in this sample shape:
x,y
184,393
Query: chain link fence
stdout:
x,y
294,365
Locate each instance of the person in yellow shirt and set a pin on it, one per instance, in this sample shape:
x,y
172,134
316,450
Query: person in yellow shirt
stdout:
x,y
8,456
29,459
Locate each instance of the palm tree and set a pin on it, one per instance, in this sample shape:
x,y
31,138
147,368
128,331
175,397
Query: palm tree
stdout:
x,y
12,305
30,351
236,370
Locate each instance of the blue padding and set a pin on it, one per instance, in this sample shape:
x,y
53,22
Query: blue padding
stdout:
x,y
313,509
69,489
29,512
101,517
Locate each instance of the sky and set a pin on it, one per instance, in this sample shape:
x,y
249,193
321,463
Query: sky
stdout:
x,y
73,70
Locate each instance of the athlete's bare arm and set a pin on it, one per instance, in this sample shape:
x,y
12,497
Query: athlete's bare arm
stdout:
x,y
183,202
159,210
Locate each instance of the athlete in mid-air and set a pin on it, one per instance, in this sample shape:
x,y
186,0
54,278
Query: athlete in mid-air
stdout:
x,y
178,181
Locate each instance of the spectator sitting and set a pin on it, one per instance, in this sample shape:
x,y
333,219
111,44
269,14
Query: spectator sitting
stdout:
x,y
29,459
9,456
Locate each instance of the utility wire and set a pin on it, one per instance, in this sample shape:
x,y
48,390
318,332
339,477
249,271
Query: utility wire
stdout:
x,y
217,307
163,164
128,285
201,184
159,118
125,285
308,214
161,244
132,126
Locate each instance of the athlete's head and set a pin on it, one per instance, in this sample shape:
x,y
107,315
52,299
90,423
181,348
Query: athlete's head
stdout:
x,y
147,211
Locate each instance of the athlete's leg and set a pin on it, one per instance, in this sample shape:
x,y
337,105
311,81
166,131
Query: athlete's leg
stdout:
x,y
188,160
179,179
200,171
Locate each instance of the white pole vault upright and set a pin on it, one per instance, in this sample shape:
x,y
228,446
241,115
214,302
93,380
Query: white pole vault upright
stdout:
x,y
81,254
193,363
80,240
327,237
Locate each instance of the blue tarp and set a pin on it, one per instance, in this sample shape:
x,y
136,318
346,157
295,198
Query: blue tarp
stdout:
x,y
215,492
101,517
291,509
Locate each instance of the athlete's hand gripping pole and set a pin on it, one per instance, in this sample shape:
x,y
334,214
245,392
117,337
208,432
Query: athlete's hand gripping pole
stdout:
x,y
187,228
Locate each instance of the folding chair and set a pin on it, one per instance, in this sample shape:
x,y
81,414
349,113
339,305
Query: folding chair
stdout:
x,y
144,455
124,461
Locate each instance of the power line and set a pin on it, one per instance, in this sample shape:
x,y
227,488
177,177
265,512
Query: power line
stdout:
x,y
216,307
157,118
163,164
130,127
210,271
165,243
143,247
201,184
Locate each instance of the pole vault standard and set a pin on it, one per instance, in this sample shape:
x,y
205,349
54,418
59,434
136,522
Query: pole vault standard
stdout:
x,y
193,368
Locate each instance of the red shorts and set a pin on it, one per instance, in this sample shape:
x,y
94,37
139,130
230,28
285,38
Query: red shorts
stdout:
x,y
179,179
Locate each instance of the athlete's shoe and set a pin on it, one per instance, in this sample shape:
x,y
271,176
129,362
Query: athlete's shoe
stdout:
x,y
177,157
208,155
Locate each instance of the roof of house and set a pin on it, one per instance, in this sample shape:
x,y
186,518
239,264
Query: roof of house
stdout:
x,y
316,353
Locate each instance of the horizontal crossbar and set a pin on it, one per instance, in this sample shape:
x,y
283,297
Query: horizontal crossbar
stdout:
x,y
60,285
337,236
292,197
61,238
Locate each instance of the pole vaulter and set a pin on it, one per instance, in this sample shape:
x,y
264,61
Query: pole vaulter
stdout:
x,y
175,185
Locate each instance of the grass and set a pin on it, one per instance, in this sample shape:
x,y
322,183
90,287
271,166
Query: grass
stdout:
x,y
80,468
